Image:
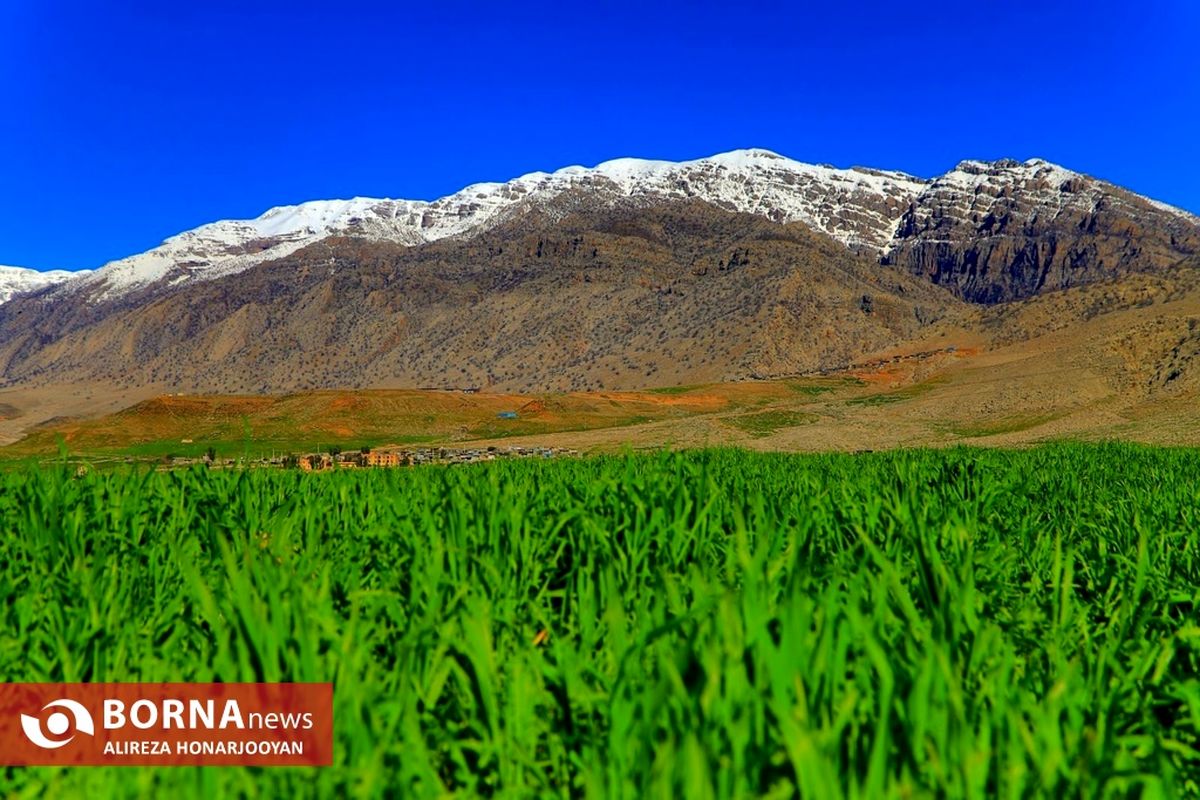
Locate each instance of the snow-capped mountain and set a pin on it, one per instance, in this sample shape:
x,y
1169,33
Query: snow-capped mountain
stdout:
x,y
856,206
899,218
976,188
15,280
606,276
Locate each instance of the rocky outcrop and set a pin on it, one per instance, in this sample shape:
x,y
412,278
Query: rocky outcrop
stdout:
x,y
995,232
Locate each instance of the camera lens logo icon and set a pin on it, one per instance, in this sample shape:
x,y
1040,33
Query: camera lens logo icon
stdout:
x,y
73,717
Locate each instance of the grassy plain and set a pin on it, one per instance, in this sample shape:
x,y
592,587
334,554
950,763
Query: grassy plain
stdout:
x,y
953,623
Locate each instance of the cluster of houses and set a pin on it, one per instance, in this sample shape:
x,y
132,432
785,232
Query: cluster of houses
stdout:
x,y
365,458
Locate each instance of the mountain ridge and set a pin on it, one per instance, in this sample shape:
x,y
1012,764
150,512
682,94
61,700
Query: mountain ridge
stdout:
x,y
859,206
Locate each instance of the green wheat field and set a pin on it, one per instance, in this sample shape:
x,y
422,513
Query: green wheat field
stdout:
x,y
962,623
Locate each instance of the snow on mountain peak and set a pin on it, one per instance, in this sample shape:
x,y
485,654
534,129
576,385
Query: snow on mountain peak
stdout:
x,y
753,181
858,206
975,187
16,280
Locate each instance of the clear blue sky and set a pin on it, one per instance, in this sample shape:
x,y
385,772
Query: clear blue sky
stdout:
x,y
123,123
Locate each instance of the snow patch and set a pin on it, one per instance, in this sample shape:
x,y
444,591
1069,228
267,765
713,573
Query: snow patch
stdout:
x,y
18,280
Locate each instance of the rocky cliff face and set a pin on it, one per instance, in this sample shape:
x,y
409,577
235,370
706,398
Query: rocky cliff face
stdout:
x,y
995,232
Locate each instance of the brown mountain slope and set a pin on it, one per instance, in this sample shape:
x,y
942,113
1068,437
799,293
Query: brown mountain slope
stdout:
x,y
622,298
1111,360
1115,362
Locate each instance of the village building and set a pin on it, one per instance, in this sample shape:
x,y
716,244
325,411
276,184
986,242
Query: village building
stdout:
x,y
380,458
315,462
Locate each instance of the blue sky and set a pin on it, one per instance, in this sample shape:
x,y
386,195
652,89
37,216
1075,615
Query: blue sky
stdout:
x,y
124,123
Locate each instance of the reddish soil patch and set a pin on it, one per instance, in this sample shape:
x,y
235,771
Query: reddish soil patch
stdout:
x,y
532,407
